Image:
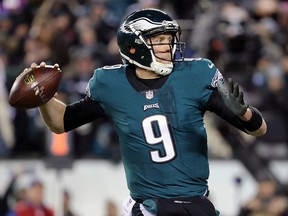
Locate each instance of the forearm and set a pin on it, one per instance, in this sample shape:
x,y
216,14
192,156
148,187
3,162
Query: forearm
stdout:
x,y
52,113
217,105
248,118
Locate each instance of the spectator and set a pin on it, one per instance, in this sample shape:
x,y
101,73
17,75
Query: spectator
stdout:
x,y
14,193
266,202
33,205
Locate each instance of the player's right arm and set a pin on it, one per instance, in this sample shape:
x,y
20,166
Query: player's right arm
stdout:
x,y
60,118
53,111
52,114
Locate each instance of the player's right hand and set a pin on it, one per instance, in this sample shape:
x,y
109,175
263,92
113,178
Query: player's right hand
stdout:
x,y
42,64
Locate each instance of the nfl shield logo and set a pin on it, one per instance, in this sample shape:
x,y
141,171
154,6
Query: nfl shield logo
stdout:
x,y
149,94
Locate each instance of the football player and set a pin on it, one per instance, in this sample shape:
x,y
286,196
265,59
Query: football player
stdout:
x,y
157,100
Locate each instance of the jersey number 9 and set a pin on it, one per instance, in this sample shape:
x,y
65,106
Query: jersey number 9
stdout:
x,y
156,131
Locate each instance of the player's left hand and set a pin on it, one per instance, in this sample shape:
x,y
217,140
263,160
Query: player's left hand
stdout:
x,y
232,96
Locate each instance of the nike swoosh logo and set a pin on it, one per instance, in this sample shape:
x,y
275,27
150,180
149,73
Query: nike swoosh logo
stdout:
x,y
210,65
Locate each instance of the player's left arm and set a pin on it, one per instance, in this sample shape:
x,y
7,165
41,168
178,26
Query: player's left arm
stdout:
x,y
251,120
248,116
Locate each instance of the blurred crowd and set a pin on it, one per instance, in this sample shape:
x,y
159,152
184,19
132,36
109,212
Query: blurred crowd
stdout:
x,y
268,201
25,195
247,40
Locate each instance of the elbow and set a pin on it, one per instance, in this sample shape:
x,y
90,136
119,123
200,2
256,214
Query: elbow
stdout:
x,y
57,130
263,128
55,126
264,131
260,132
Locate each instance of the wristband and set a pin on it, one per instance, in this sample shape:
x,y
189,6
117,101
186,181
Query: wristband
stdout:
x,y
255,122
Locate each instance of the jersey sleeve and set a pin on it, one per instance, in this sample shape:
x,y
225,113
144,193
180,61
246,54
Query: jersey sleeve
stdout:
x,y
211,72
93,85
102,80
81,112
211,75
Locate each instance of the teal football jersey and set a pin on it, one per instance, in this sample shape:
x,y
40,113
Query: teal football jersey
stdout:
x,y
162,135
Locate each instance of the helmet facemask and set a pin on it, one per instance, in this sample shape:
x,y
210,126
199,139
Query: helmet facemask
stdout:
x,y
163,66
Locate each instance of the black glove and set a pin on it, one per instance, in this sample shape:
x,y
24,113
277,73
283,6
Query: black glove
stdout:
x,y
232,96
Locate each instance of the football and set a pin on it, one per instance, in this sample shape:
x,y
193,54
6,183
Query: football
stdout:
x,y
34,87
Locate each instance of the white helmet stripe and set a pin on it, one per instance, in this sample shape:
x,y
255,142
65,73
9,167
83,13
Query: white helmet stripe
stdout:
x,y
144,24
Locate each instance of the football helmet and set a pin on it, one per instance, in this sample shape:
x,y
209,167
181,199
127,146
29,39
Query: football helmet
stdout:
x,y
134,40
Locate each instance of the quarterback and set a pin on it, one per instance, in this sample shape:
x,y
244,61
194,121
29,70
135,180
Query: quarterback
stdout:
x,y
157,100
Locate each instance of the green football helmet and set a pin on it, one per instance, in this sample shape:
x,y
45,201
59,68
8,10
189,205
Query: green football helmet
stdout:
x,y
135,32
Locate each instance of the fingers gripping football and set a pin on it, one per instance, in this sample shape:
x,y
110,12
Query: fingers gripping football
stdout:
x,y
35,86
232,96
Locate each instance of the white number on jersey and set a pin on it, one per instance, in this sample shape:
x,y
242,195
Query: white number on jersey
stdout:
x,y
165,137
